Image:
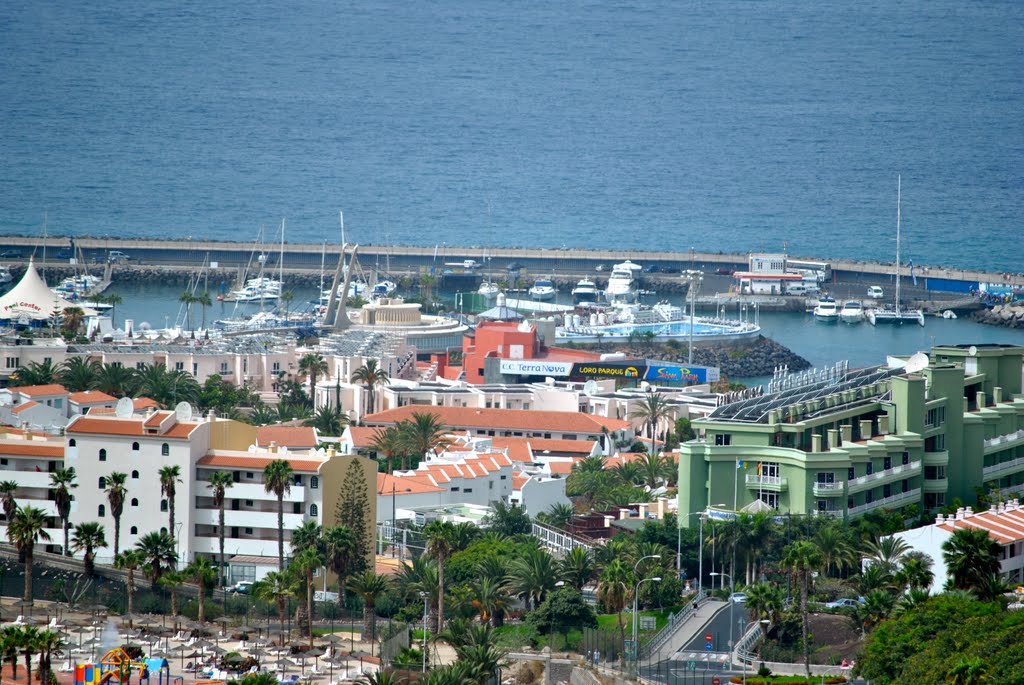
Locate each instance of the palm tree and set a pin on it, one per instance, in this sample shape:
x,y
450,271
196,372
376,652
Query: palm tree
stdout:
x,y
614,591
286,299
113,299
158,553
78,374
491,599
371,375
275,587
116,492
277,479
170,476
10,641
29,642
47,643
422,433
802,558
203,300
62,482
328,420
173,582
26,529
438,536
878,604
969,670
916,573
533,576
188,299
202,573
836,551
73,318
313,365
220,482
369,586
8,489
115,379
559,515
971,558
36,373
652,410
764,601
309,535
89,537
130,561
262,415
340,552
577,568
418,579
389,443
886,552
654,467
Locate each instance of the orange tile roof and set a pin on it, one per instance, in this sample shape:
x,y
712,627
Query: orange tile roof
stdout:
x,y
1004,527
519,479
157,418
562,468
257,462
363,436
140,403
509,419
297,437
27,404
32,448
405,485
90,396
131,426
518,448
37,390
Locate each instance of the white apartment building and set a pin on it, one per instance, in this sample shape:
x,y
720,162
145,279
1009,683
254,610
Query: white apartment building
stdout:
x,y
28,459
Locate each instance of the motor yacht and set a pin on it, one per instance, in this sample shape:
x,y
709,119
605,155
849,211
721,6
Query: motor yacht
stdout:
x,y
852,312
585,291
826,310
543,289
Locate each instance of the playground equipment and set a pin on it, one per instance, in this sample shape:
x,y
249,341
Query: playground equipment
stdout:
x,y
116,668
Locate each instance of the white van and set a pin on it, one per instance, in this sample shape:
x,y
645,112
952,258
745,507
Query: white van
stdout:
x,y
875,292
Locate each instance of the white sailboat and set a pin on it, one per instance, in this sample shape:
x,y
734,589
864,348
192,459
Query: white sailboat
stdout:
x,y
894,314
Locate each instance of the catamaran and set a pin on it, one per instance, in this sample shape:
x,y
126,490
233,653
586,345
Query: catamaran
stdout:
x,y
895,315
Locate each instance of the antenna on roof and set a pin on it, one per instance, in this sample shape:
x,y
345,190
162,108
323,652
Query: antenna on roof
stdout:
x,y
124,408
183,412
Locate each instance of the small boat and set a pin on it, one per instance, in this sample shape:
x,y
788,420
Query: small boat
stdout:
x,y
895,314
383,289
585,291
852,312
5,275
621,283
543,289
488,289
826,310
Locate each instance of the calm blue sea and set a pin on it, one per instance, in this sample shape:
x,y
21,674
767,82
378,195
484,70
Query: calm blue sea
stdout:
x,y
717,125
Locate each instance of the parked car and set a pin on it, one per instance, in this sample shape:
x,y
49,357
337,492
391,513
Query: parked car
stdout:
x,y
875,292
242,587
117,256
843,603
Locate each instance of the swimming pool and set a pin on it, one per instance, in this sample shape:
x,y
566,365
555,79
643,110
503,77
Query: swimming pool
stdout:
x,y
703,329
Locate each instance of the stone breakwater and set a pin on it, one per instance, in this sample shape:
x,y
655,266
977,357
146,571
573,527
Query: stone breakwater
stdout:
x,y
1006,315
757,357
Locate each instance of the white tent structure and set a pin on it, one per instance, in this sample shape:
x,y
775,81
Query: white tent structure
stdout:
x,y
31,299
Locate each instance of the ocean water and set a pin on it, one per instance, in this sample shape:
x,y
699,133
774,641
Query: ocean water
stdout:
x,y
731,125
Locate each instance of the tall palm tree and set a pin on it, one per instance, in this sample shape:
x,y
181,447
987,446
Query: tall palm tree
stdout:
x,y
188,299
88,537
577,568
328,420
802,558
24,530
10,640
492,600
309,535
116,493
30,639
220,482
652,410
654,467
277,479
73,319
36,373
371,375
130,561
202,573
886,552
113,299
48,643
170,476
614,590
533,576
115,379
422,433
836,551
340,553
158,553
389,443
204,301
438,536
62,482
971,558
370,587
8,490
173,582
275,587
78,374
286,299
313,365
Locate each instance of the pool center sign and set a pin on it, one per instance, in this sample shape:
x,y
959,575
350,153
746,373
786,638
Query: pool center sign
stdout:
x,y
534,367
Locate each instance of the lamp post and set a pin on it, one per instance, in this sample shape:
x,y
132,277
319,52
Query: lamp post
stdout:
x,y
425,597
700,547
765,622
732,607
695,280
636,590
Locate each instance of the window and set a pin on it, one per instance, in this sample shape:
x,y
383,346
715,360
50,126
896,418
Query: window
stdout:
x,y
248,531
223,367
935,417
179,366
163,505
887,463
468,490
297,508
101,510
933,500
906,458
723,439
165,450
13,362
134,530
103,455
526,405
249,474
313,510
275,367
314,482
103,482
72,442
826,477
870,469
3,462
195,368
298,479
935,473
57,404
135,447
455,489
135,501
135,475
163,529
248,502
849,474
504,477
887,490
140,366
906,484
47,360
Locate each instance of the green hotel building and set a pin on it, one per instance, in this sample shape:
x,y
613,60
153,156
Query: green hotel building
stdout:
x,y
841,442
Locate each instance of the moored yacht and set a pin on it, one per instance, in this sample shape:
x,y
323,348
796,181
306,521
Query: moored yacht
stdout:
x,y
543,289
488,289
585,291
852,312
620,283
826,310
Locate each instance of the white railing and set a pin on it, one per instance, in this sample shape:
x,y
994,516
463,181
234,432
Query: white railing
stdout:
x,y
767,481
903,470
1011,465
899,499
558,541
745,652
834,513
1001,439
674,621
828,488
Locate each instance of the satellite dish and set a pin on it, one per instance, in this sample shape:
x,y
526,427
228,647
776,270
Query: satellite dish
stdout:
x,y
125,408
183,412
590,388
917,362
972,350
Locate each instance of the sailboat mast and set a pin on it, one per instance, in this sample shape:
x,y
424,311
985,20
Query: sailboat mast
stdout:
x,y
898,265
280,259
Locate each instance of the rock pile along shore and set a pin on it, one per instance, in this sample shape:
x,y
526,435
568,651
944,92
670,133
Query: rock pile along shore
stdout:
x,y
1006,315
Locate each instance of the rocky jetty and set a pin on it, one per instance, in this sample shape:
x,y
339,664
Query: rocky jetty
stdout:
x,y
749,359
1006,315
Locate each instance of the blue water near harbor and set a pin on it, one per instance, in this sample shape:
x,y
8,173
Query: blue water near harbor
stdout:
x,y
730,125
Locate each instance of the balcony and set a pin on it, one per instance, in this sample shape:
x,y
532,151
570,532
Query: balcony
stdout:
x,y
898,500
232,546
247,518
1002,442
1003,468
254,492
830,513
827,489
881,477
27,479
771,483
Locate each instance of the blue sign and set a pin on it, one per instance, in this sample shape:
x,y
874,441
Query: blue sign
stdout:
x,y
707,646
682,374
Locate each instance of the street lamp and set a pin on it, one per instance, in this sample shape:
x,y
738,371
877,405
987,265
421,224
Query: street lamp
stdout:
x,y
765,622
700,546
636,593
732,607
425,597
